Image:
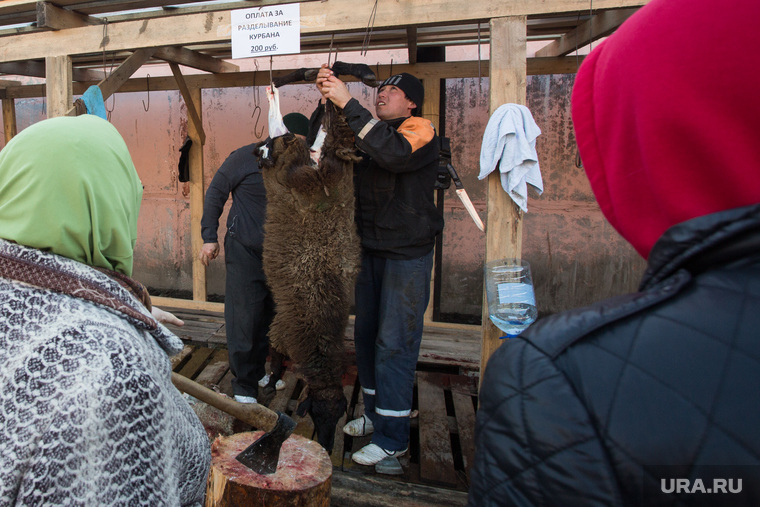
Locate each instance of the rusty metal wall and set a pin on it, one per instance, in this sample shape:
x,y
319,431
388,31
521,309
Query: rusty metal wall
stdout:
x,y
576,256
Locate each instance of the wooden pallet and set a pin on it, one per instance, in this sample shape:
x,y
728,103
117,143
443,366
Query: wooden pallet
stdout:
x,y
441,446
441,440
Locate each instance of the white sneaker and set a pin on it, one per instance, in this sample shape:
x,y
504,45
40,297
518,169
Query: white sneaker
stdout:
x,y
245,399
279,386
373,454
359,427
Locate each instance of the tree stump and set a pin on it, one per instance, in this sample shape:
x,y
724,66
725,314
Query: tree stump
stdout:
x,y
215,422
303,475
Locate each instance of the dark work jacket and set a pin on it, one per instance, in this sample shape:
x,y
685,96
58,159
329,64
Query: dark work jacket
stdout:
x,y
240,176
396,215
598,405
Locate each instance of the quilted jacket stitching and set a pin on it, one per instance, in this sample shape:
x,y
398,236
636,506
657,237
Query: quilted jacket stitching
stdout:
x,y
539,462
535,466
671,388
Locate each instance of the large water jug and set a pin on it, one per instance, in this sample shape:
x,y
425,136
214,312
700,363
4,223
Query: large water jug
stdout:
x,y
510,296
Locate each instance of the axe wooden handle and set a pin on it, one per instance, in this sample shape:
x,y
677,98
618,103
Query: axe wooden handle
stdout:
x,y
254,414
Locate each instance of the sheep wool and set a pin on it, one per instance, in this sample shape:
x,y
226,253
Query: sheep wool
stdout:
x,y
311,259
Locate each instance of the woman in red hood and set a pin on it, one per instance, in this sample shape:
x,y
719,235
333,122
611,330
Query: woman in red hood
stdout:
x,y
651,397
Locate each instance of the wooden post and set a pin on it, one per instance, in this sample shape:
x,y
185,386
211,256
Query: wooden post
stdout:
x,y
9,119
303,476
431,110
508,84
58,88
196,195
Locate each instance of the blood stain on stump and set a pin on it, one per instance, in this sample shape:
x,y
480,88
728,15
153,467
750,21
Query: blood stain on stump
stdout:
x,y
303,475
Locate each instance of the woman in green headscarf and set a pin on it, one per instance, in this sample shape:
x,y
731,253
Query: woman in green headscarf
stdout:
x,y
87,406
68,186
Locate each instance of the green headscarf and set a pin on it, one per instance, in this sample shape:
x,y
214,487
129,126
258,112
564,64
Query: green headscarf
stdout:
x,y
68,186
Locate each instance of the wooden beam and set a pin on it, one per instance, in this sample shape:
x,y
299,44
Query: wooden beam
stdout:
x,y
9,119
441,70
554,65
35,68
120,76
54,18
24,11
58,90
431,110
192,113
598,26
431,107
112,83
194,59
504,218
110,6
411,42
194,103
186,304
342,15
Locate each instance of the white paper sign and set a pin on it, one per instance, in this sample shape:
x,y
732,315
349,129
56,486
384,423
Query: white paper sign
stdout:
x,y
271,30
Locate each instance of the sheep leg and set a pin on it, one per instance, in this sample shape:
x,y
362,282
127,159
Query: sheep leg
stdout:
x,y
360,71
276,124
277,365
339,151
277,369
292,77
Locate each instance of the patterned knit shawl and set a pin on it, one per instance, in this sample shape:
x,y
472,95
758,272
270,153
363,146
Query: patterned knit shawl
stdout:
x,y
88,413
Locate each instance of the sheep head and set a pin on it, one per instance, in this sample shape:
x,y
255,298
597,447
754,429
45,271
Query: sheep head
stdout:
x,y
325,406
282,151
286,161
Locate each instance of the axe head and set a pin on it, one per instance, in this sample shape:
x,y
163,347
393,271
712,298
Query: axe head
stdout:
x,y
262,455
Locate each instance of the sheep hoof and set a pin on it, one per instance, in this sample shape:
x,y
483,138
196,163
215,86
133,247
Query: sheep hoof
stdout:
x,y
266,395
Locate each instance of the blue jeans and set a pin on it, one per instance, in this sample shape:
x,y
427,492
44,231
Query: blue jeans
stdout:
x,y
391,298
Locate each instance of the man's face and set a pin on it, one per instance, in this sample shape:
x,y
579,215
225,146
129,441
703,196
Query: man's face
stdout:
x,y
393,103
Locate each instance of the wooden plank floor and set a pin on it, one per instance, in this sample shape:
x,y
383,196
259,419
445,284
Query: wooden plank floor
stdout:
x,y
442,427
453,347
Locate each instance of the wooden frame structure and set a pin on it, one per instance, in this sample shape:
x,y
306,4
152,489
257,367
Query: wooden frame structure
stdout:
x,y
64,41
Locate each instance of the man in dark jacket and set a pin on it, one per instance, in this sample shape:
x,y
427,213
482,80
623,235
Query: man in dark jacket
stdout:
x,y
248,304
649,398
397,221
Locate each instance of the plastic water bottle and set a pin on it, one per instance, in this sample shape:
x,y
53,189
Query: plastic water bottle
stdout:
x,y
510,295
516,309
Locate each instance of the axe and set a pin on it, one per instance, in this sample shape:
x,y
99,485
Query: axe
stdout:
x,y
262,455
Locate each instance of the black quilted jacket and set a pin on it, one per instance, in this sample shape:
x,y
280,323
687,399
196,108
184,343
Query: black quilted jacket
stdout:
x,y
612,404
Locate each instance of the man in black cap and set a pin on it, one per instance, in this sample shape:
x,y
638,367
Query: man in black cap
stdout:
x,y
248,304
297,124
397,221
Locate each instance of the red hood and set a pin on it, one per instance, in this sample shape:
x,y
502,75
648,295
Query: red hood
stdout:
x,y
667,115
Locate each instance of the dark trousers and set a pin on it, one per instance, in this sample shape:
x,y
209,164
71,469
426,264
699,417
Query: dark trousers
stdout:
x,y
391,298
248,312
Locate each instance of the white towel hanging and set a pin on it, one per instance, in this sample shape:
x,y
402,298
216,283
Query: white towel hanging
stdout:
x,y
509,142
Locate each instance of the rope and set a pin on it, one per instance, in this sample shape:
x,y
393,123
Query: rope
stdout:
x,y
368,32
